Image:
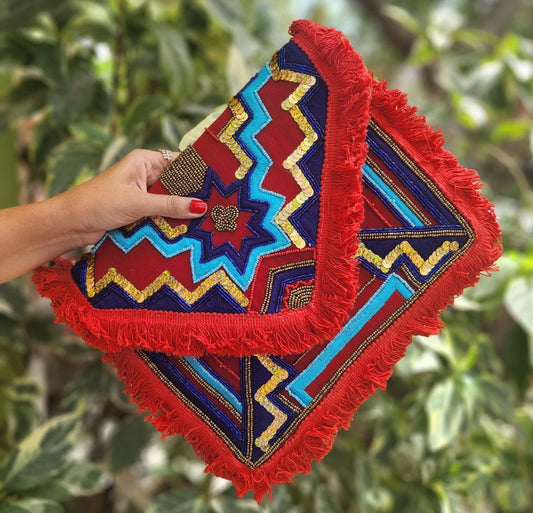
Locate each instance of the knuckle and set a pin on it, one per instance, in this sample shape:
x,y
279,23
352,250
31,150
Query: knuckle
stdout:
x,y
137,154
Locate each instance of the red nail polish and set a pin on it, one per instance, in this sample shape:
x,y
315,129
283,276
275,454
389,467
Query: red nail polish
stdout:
x,y
197,206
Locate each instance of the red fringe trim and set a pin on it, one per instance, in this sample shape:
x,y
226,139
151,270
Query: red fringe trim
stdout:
x,y
341,215
315,435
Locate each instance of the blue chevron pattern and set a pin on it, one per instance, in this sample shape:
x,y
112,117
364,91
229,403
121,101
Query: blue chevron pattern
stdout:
x,y
262,162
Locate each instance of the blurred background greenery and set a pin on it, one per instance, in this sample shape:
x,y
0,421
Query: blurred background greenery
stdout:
x,y
82,82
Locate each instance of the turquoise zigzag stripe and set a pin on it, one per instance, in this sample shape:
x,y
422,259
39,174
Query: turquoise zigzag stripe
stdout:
x,y
256,176
393,283
215,383
394,201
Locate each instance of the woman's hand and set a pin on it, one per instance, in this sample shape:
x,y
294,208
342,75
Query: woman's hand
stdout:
x,y
118,197
36,233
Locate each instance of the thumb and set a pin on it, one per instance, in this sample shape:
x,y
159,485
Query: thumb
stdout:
x,y
176,207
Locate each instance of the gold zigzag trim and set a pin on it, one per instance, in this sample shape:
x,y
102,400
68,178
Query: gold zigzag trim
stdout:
x,y
278,375
305,82
165,278
169,231
227,137
404,248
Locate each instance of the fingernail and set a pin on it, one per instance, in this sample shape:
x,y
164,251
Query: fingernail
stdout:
x,y
197,206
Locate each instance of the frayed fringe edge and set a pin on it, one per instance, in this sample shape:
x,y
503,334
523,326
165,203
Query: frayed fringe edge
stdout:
x,y
341,216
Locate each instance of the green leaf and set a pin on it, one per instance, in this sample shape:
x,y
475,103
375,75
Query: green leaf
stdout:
x,y
142,110
9,189
450,500
324,502
512,495
471,111
46,136
83,478
80,478
50,59
175,61
179,501
229,12
96,21
517,357
519,302
68,161
91,133
510,130
128,442
30,506
282,499
423,52
15,13
230,505
12,301
497,396
405,18
489,286
40,456
23,389
171,130
445,414
21,419
22,394
71,99
27,97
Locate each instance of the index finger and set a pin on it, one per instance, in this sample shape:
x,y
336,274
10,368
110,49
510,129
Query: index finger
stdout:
x,y
158,163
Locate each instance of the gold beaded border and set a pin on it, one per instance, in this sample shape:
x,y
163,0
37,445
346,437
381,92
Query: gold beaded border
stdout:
x,y
404,248
165,278
278,375
227,136
272,274
161,223
305,83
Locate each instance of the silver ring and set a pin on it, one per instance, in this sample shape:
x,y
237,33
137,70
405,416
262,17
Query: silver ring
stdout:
x,y
167,154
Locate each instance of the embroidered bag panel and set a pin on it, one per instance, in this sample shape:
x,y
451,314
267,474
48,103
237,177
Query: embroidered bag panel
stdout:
x,y
258,330
280,171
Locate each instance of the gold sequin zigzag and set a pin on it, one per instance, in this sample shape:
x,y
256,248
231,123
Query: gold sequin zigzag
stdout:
x,y
305,82
169,231
404,248
278,375
227,137
165,278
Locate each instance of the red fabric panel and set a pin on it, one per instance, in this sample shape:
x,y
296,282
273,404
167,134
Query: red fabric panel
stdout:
x,y
279,138
143,264
227,367
216,155
384,210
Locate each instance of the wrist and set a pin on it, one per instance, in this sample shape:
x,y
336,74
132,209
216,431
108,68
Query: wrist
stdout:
x,y
62,220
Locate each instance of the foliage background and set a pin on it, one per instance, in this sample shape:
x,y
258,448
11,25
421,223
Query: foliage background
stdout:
x,y
83,82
